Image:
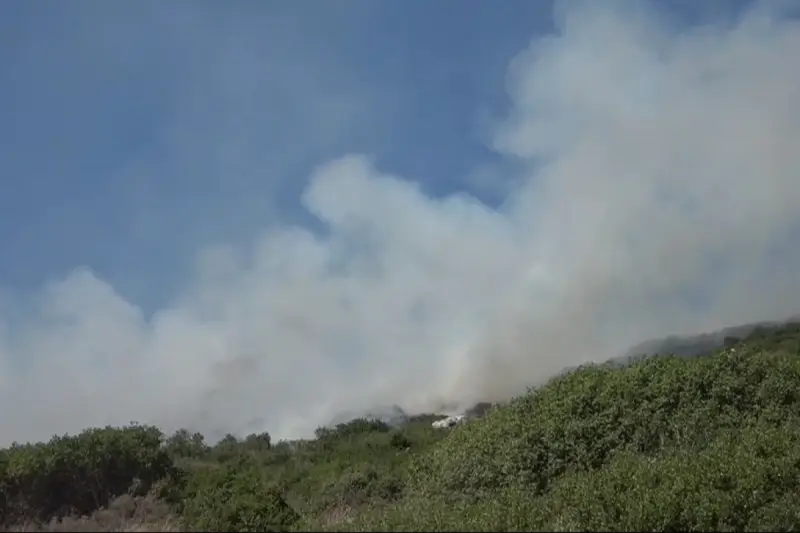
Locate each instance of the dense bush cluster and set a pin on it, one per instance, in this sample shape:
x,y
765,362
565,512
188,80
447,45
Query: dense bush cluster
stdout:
x,y
80,474
666,443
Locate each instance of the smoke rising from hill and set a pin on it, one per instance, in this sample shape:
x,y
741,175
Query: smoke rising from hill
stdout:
x,y
661,195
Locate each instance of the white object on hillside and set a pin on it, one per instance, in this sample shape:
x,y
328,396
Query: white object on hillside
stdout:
x,y
449,422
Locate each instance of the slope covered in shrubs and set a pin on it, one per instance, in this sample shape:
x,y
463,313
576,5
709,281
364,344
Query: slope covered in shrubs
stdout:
x,y
667,443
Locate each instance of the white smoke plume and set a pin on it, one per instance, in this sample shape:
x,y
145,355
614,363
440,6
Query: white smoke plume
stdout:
x,y
661,195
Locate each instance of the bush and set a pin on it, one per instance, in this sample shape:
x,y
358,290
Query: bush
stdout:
x,y
257,442
235,497
353,428
80,474
366,485
581,420
738,482
187,445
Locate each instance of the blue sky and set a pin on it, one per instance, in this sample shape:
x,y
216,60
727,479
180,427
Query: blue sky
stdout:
x,y
133,134
266,213
118,117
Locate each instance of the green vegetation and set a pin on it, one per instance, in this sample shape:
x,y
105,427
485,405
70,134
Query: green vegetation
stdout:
x,y
666,444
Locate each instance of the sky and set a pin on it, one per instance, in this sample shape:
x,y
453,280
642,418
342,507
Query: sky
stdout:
x,y
239,217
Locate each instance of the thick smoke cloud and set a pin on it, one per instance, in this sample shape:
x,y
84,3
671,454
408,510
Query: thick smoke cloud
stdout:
x,y
661,195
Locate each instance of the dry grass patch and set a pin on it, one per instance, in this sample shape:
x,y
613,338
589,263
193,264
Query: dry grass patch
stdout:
x,y
125,513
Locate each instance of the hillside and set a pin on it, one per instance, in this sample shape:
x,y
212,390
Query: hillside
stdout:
x,y
666,443
694,345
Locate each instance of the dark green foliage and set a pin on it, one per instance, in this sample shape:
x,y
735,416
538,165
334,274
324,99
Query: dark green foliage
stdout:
x,y
581,419
366,485
188,445
230,447
731,484
226,449
352,428
79,474
400,441
258,442
235,497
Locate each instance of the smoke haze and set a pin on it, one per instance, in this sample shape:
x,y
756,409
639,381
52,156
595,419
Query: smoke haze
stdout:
x,y
660,193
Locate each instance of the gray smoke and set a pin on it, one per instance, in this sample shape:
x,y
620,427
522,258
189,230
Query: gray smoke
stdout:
x,y
661,195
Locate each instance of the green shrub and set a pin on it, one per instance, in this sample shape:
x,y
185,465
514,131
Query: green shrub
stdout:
x,y
353,428
257,442
80,474
581,420
399,441
365,485
737,482
235,497
187,445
